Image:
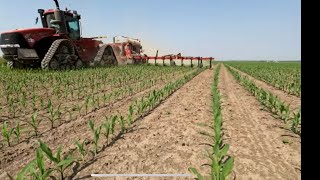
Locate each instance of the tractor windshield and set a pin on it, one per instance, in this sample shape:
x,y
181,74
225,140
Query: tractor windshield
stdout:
x,y
72,23
50,17
74,29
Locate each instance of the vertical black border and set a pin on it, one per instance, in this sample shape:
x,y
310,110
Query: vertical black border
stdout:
x,y
309,92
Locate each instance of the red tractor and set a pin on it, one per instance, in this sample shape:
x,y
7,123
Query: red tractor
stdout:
x,y
59,45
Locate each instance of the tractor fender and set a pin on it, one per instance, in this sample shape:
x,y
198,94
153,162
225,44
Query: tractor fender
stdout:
x,y
43,45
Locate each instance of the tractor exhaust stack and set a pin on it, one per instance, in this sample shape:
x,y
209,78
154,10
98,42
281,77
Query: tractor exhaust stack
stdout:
x,y
57,4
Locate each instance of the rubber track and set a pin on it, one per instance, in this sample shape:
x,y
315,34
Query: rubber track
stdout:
x,y
99,55
52,50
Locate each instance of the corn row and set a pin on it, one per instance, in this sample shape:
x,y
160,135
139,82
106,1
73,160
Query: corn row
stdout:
x,y
221,164
272,102
285,76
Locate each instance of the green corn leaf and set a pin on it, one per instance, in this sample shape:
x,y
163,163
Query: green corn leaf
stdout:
x,y
65,163
107,129
91,126
131,110
215,166
113,123
48,152
47,173
40,161
11,131
195,172
25,170
224,151
210,155
228,166
121,122
58,154
97,133
4,129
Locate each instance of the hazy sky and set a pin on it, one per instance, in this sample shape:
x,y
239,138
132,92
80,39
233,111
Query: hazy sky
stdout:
x,y
224,29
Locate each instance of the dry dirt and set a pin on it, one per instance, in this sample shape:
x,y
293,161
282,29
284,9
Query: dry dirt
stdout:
x,y
165,141
256,138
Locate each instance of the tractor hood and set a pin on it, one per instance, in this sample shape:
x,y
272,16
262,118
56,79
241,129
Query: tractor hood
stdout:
x,y
25,37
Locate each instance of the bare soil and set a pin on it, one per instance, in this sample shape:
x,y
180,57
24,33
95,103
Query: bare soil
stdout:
x,y
262,147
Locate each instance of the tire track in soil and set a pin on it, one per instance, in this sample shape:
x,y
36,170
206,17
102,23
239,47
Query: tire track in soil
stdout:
x,y
165,141
292,100
255,136
21,154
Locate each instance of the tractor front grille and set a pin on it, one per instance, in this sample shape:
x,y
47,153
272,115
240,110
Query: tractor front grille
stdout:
x,y
14,38
9,51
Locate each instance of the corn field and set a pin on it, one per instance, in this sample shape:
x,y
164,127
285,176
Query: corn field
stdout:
x,y
38,101
69,124
285,75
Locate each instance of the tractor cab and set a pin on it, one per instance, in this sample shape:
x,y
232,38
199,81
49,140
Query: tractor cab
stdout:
x,y
64,22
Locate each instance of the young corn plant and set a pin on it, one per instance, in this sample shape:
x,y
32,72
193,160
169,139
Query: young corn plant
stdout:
x,y
41,103
34,100
93,101
13,108
139,106
121,123
113,123
86,104
17,132
72,91
38,170
295,122
61,163
53,113
96,135
98,102
65,94
58,114
59,94
222,164
35,122
81,148
284,112
130,115
23,102
79,92
105,98
7,133
107,128
78,108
